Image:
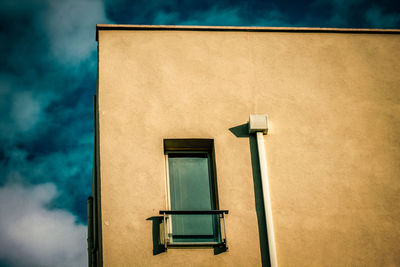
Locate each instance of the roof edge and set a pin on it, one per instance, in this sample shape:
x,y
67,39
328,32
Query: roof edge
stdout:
x,y
238,28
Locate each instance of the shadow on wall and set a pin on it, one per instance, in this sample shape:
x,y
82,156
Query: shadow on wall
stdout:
x,y
242,131
158,247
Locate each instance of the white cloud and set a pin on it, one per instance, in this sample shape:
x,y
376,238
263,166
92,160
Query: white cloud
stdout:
x,y
31,234
26,111
71,26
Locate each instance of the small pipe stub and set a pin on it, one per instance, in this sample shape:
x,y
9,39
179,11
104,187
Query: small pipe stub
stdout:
x,y
258,123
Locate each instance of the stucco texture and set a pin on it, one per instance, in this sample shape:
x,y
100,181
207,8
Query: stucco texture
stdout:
x,y
333,148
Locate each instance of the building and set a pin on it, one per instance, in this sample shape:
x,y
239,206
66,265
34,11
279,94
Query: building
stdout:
x,y
173,105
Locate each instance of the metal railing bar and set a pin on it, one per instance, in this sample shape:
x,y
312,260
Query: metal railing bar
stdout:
x,y
165,233
185,244
193,212
225,239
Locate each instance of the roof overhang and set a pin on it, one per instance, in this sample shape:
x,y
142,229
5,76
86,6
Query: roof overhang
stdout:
x,y
125,27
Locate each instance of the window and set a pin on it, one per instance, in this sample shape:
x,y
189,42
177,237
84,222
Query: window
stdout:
x,y
194,218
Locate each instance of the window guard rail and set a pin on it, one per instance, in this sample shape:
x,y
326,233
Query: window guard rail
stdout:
x,y
166,214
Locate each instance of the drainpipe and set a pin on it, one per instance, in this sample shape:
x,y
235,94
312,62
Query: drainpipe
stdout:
x,y
259,124
90,231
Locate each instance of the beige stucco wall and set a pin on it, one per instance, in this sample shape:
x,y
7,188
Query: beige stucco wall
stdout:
x,y
333,148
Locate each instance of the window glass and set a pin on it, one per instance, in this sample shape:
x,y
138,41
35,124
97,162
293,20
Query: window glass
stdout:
x,y
191,188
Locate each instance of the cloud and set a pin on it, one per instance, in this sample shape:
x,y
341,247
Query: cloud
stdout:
x,y
70,25
354,14
271,17
212,16
48,77
225,17
379,19
47,50
69,167
317,13
206,12
31,234
25,111
47,82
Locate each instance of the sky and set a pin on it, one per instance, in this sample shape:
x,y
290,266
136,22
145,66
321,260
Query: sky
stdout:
x,y
47,83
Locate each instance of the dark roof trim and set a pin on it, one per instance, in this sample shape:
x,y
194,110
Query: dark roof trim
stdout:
x,y
116,27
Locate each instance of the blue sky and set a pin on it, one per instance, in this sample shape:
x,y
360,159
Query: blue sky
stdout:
x,y
47,82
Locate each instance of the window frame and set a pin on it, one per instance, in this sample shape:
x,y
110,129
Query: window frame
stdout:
x,y
192,147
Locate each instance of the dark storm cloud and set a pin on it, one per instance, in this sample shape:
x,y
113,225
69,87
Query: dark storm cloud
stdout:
x,y
317,13
186,12
47,82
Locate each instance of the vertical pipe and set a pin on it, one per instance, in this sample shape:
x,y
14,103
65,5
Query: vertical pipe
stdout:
x,y
165,232
225,241
267,198
90,231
